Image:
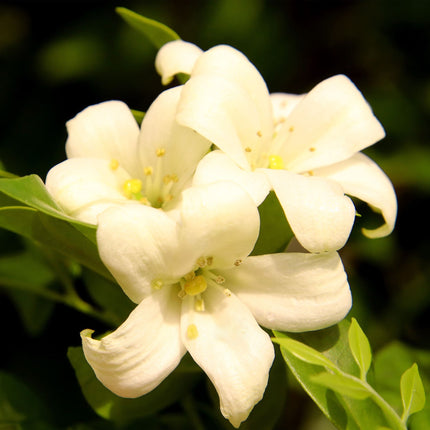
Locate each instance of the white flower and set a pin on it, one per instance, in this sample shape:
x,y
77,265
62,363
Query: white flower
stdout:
x,y
304,147
111,162
197,290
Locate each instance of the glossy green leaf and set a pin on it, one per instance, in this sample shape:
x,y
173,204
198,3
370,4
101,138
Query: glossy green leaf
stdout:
x,y
360,348
31,191
305,353
344,411
158,33
412,392
342,384
122,410
54,233
275,231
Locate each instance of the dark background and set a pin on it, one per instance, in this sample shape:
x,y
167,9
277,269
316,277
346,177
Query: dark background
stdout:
x,y
56,58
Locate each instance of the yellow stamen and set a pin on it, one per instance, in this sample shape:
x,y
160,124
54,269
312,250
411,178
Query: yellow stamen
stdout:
x,y
160,152
276,162
199,305
195,286
291,129
114,164
148,171
132,187
248,149
259,133
312,149
238,262
192,332
157,284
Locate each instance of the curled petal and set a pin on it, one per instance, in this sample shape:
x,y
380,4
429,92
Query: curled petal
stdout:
x,y
218,220
107,130
217,166
176,57
319,213
292,291
361,177
85,187
136,357
139,246
227,343
330,124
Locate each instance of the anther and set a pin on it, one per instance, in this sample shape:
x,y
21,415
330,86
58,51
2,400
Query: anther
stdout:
x,y
291,129
227,292
192,332
312,149
157,284
248,149
132,188
160,152
259,133
202,262
238,262
114,164
220,279
199,305
148,171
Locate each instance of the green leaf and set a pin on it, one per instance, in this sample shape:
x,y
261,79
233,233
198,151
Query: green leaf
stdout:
x,y
360,348
54,233
412,392
304,352
344,411
344,385
122,410
158,33
20,407
138,115
31,191
275,231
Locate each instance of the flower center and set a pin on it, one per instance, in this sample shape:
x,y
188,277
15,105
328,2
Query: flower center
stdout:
x,y
154,188
276,162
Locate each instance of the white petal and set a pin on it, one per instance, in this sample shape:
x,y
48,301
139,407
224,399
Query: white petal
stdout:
x,y
146,348
217,166
361,177
319,213
107,130
176,57
85,187
183,148
219,220
330,124
292,291
139,245
231,348
283,104
226,100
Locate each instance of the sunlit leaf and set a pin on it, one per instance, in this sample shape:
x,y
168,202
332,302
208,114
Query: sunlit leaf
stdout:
x,y
122,410
347,386
412,392
158,33
360,347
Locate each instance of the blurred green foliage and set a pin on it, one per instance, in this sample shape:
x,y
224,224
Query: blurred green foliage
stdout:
x,y
58,58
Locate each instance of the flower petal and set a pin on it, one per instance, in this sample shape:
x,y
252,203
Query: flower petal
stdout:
x,y
227,343
331,123
226,100
85,187
176,57
146,348
139,245
361,177
319,213
283,104
219,220
181,147
107,130
217,166
292,291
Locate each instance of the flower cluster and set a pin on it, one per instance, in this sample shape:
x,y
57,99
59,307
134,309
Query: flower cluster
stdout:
x,y
176,207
